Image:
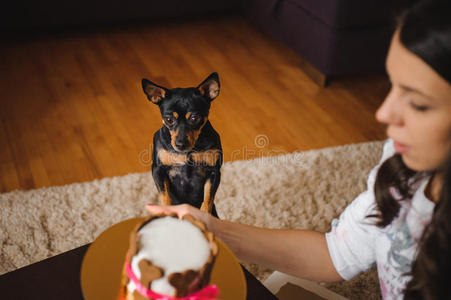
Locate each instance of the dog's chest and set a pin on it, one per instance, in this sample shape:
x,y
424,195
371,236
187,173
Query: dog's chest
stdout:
x,y
187,182
186,173
189,171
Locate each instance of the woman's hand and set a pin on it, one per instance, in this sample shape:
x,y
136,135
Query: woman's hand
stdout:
x,y
298,252
181,210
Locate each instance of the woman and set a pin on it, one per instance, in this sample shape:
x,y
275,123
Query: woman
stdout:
x,y
383,225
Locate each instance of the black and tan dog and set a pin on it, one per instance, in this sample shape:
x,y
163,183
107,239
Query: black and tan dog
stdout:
x,y
187,153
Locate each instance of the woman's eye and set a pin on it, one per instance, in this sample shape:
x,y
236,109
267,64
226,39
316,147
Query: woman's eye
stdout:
x,y
418,107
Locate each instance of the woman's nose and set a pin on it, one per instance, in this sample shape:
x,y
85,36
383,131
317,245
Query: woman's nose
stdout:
x,y
390,111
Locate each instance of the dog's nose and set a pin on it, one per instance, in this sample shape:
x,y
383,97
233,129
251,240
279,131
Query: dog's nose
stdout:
x,y
181,144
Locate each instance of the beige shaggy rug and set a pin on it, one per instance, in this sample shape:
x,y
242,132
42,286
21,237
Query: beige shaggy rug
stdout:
x,y
299,190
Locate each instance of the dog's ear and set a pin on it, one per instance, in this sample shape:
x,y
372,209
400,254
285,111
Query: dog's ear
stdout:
x,y
210,86
155,93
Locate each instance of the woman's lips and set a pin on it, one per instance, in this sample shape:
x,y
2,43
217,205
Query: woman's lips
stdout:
x,y
400,148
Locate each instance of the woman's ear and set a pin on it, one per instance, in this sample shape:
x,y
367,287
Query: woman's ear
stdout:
x,y
209,88
154,92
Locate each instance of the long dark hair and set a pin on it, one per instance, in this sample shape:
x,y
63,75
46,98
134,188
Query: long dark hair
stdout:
x,y
431,271
425,30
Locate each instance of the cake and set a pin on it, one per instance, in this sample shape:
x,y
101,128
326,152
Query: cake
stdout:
x,y
168,256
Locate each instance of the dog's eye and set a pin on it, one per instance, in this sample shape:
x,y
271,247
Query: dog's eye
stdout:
x,y
169,120
194,119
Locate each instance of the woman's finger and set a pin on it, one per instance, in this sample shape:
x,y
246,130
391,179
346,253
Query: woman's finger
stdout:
x,y
181,210
159,209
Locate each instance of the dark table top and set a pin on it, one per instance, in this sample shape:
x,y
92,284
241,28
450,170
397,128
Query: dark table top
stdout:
x,y
58,277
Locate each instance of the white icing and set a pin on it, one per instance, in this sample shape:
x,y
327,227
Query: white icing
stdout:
x,y
175,246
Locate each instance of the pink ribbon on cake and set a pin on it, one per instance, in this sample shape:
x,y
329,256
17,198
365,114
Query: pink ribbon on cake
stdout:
x,y
207,293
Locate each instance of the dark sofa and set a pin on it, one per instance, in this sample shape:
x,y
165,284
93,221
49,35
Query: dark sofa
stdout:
x,y
335,37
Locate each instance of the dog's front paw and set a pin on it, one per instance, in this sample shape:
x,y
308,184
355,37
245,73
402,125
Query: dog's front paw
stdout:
x,y
205,208
164,199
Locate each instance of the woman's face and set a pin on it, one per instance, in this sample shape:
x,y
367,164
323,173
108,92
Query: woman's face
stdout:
x,y
417,110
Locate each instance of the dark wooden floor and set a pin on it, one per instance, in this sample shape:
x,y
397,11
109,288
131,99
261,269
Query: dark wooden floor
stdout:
x,y
72,108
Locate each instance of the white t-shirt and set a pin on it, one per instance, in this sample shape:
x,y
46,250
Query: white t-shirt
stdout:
x,y
356,244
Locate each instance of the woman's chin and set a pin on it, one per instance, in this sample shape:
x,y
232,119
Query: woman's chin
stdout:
x,y
416,164
411,163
